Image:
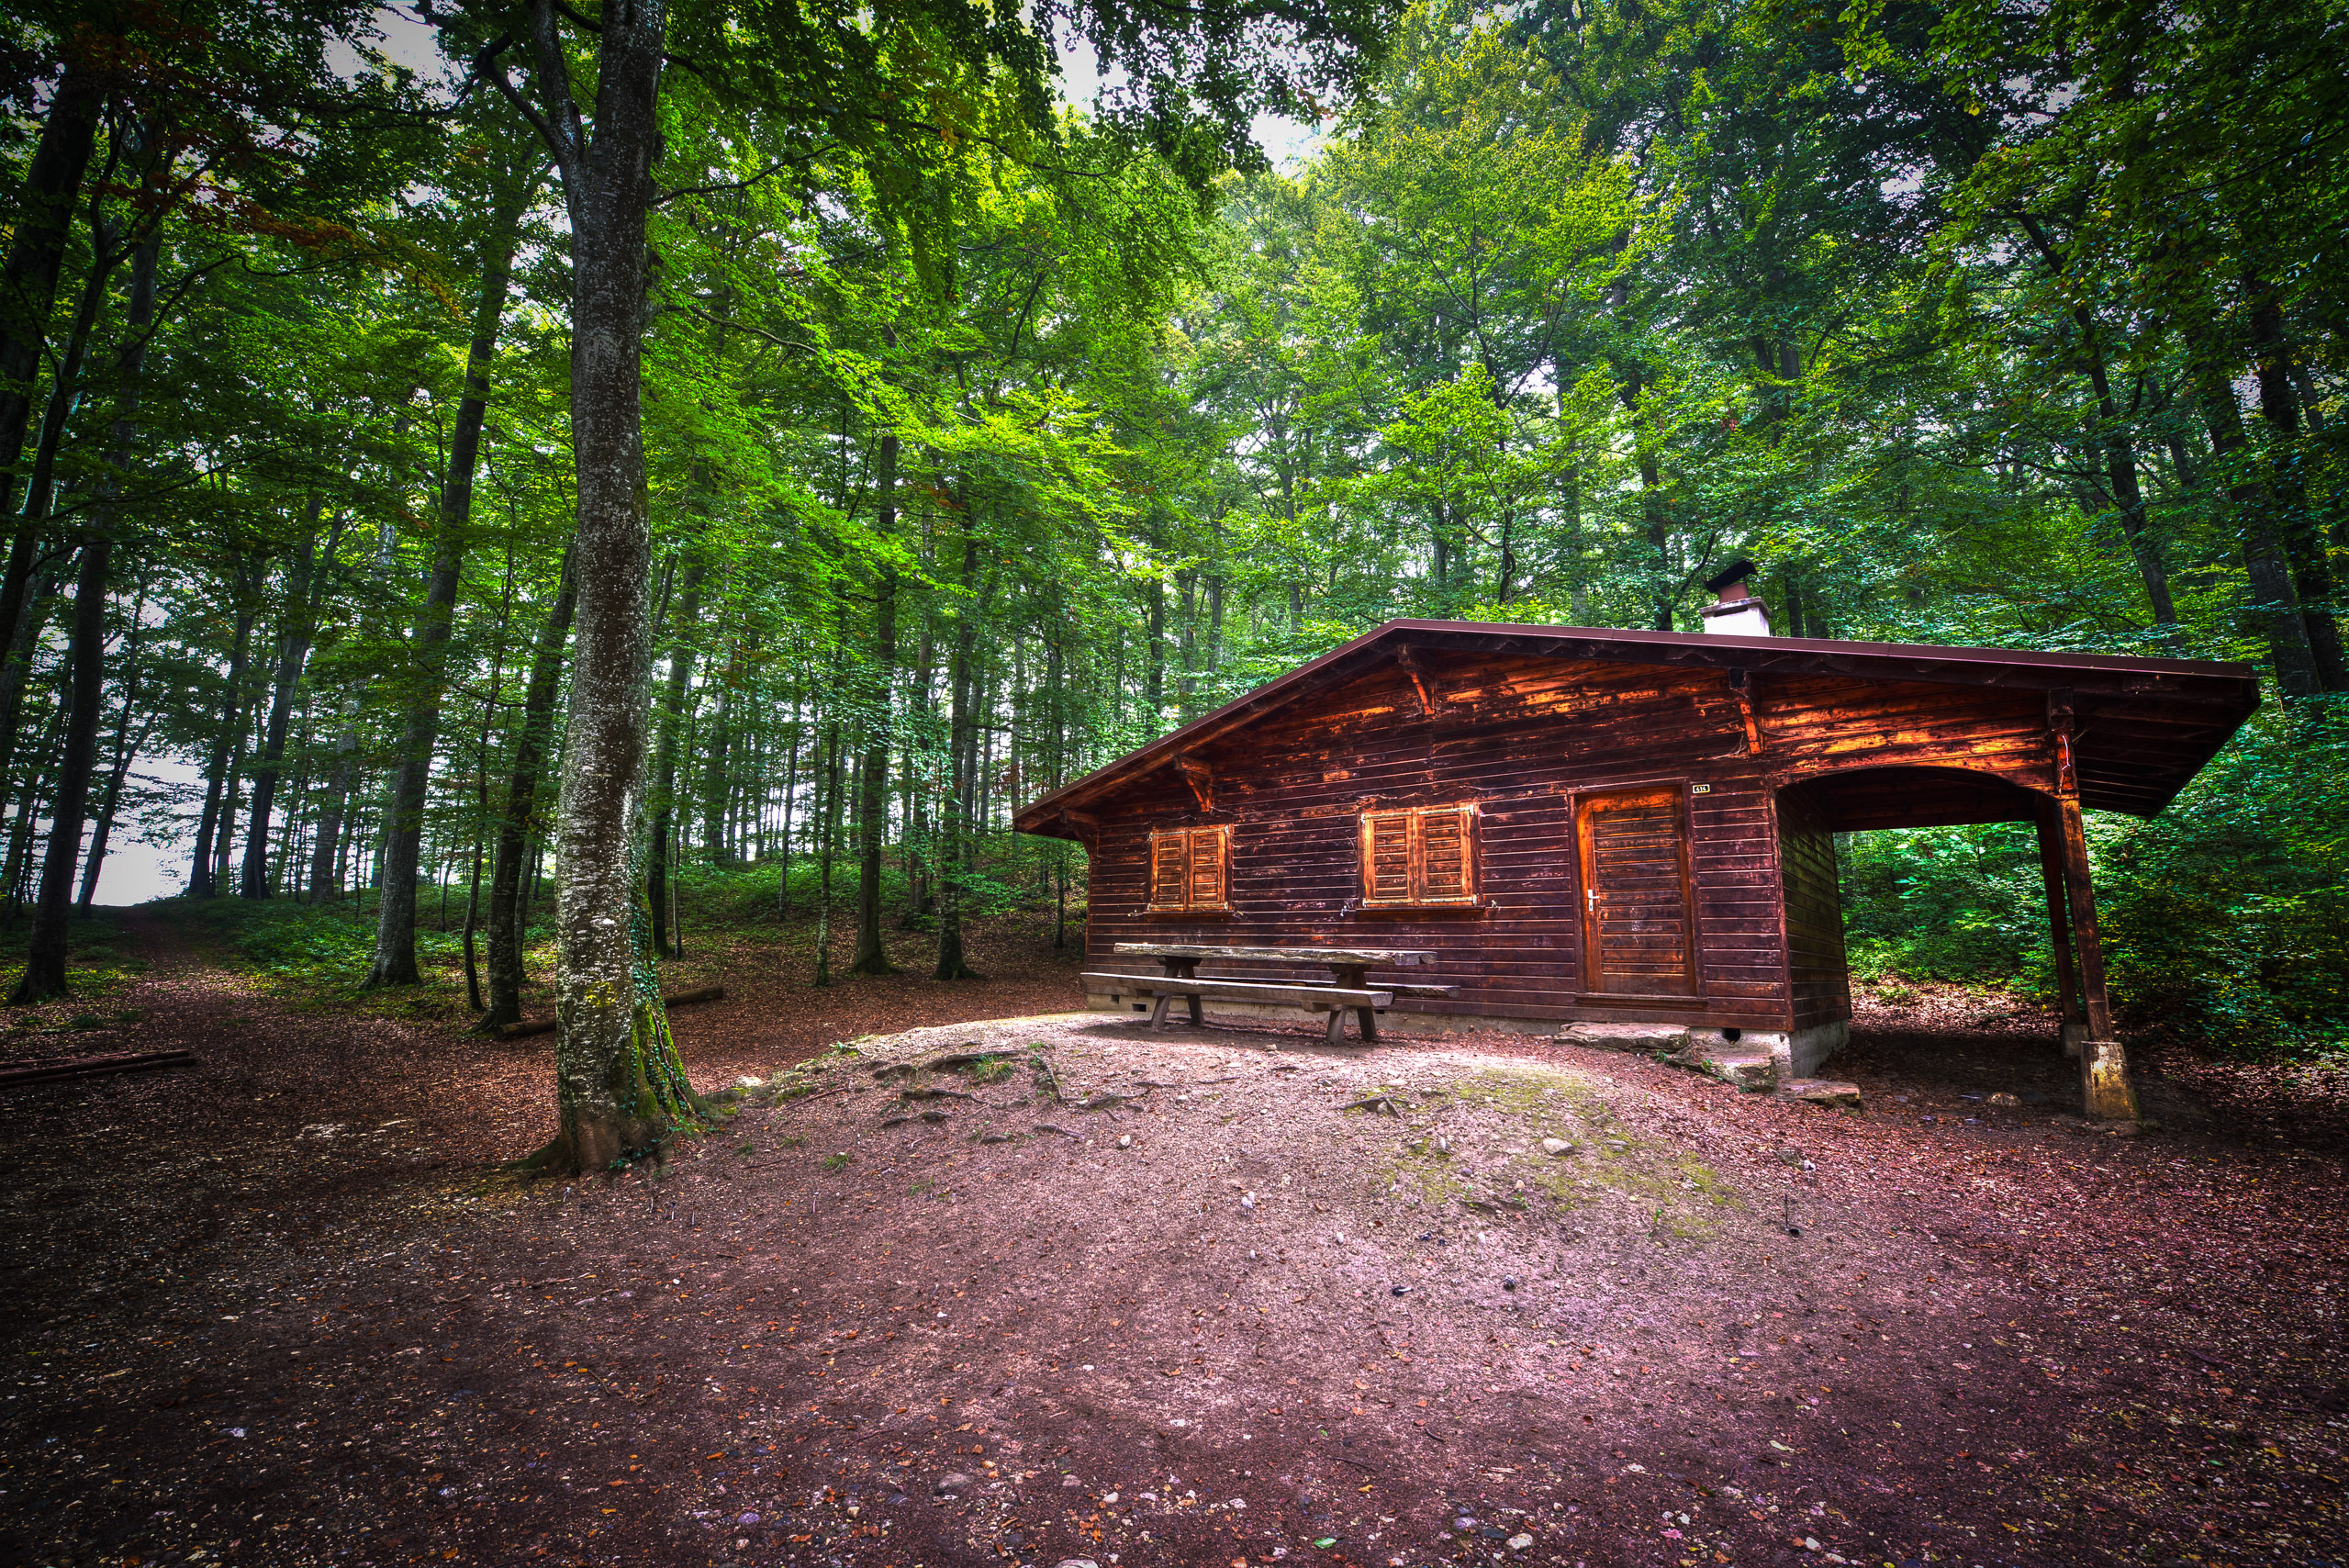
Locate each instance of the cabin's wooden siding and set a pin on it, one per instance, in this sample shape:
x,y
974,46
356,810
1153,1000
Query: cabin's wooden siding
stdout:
x,y
1519,736
1815,725
1822,982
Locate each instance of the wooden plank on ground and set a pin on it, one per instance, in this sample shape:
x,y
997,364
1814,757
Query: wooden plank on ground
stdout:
x,y
90,1067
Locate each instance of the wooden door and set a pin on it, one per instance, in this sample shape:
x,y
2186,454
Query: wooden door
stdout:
x,y
1639,917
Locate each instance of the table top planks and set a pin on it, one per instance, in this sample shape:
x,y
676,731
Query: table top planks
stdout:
x,y
1342,958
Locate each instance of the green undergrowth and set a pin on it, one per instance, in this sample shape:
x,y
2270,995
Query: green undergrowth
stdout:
x,y
1476,1149
317,956
97,970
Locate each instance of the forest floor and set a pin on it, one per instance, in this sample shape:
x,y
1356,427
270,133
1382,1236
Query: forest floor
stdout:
x,y
278,1307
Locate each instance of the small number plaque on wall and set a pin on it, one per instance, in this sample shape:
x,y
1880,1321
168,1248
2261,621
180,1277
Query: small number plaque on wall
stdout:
x,y
1700,788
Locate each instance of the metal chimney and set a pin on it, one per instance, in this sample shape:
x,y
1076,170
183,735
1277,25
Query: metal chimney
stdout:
x,y
1736,613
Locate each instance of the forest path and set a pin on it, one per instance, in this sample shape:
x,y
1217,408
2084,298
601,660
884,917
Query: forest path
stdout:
x,y
265,1309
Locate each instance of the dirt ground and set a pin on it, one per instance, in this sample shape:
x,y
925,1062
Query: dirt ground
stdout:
x,y
1180,1298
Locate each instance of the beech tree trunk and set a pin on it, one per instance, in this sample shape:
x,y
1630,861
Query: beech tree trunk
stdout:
x,y
44,951
619,1087
871,956
508,900
125,747
215,771
2303,541
962,754
293,652
429,648
326,864
65,391
664,766
2274,606
43,218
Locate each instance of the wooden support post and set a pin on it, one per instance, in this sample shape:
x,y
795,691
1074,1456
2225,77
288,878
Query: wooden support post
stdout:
x,y
1350,976
2104,1069
1179,968
2072,1026
1336,1026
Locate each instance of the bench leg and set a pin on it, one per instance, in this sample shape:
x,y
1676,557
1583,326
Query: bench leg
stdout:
x,y
1159,1011
1198,1012
1336,1026
1370,1023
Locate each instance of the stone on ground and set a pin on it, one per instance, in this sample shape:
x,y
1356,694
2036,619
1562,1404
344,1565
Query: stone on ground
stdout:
x,y
1642,1038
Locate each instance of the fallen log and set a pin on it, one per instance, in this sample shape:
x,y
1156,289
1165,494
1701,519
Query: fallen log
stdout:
x,y
546,1025
90,1066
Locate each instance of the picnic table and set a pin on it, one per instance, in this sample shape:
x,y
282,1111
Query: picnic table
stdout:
x,y
1345,992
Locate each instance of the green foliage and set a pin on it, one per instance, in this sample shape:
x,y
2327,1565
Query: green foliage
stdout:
x,y
1958,903
2224,921
2228,916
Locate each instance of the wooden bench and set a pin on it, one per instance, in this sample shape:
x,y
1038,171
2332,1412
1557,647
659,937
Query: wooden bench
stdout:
x,y
1333,1000
1346,993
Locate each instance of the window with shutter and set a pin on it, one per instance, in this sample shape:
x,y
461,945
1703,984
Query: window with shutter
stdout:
x,y
1191,870
1423,857
1386,858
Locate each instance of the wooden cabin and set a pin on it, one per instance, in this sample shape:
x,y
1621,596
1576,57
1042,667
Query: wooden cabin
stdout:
x,y
1594,826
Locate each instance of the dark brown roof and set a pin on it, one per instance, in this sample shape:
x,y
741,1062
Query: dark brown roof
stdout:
x,y
2146,726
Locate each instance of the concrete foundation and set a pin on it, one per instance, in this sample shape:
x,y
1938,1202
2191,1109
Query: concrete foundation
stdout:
x,y
2105,1092
1792,1054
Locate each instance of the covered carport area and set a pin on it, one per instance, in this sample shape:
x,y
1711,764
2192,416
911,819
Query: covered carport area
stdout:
x,y
1868,799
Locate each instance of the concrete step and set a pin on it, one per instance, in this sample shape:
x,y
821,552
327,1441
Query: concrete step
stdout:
x,y
1751,1067
1824,1093
1647,1039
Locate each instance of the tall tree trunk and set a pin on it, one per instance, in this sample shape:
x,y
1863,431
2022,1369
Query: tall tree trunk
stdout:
x,y
20,837
2287,480
200,884
2128,497
715,772
395,961
293,652
44,951
1154,676
326,854
40,486
43,218
825,838
125,747
671,737
2274,606
873,775
619,1086
1634,396
783,831
39,603
962,726
509,898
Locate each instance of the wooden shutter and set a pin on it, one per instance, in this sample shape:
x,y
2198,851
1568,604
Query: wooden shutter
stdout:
x,y
1446,872
1386,858
1210,880
1427,855
1169,870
